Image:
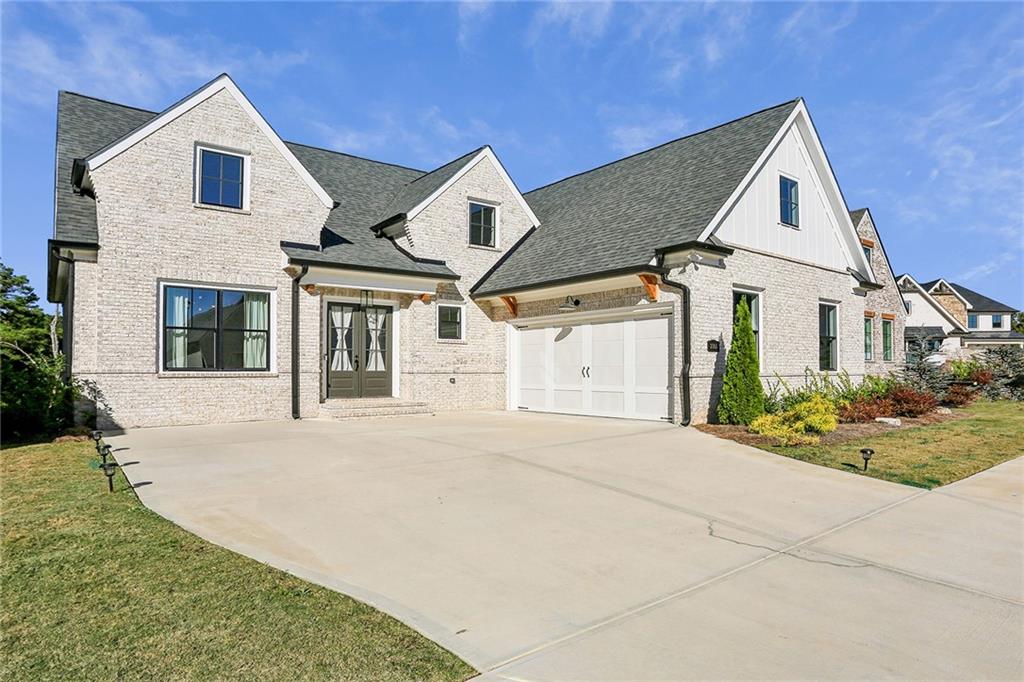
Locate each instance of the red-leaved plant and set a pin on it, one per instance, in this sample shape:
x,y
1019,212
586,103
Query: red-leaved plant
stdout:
x,y
959,395
866,410
909,402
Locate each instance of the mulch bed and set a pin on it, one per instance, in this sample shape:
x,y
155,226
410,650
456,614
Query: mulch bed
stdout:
x,y
845,432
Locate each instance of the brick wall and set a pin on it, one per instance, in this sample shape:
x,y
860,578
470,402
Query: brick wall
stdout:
x,y
149,230
886,301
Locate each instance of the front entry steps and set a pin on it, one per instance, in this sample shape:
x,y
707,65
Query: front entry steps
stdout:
x,y
361,408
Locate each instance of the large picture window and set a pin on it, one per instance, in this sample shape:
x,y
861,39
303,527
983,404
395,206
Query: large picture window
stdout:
x,y
216,329
828,344
483,225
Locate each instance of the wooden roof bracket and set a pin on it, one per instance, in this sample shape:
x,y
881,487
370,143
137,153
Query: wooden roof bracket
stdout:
x,y
512,305
650,283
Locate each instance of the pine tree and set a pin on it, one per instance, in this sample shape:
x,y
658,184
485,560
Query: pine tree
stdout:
x,y
742,394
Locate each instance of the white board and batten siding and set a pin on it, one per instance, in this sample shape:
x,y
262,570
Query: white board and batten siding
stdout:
x,y
608,368
754,222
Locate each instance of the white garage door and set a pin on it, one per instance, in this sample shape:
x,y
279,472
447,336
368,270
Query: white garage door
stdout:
x,y
617,368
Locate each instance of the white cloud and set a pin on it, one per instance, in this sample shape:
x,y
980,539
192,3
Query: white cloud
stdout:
x,y
472,14
115,52
815,25
635,131
585,22
983,270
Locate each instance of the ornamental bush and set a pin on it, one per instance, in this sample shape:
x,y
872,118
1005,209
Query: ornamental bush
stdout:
x,y
866,410
909,402
959,395
801,424
742,398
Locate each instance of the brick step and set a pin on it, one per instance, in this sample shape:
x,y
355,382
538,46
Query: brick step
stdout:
x,y
357,408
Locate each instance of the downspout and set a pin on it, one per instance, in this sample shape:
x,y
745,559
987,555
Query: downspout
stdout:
x,y
684,376
68,311
295,341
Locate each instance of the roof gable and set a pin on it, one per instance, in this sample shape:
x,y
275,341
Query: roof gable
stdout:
x,y
941,286
980,302
218,84
615,217
906,280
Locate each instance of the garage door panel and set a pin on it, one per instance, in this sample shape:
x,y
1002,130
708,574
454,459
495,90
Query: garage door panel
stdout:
x,y
617,369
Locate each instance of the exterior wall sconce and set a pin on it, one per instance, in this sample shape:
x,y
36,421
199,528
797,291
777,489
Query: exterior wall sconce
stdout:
x,y
866,454
569,305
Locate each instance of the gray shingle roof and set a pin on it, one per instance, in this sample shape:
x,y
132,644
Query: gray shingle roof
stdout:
x,y
422,187
856,215
924,332
361,188
84,124
1008,335
979,303
614,217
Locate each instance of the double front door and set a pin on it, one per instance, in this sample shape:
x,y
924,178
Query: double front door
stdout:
x,y
359,352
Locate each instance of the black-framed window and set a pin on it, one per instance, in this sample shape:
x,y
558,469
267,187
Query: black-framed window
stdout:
x,y
997,321
483,225
869,342
887,340
972,321
220,179
789,201
828,338
754,304
449,322
216,329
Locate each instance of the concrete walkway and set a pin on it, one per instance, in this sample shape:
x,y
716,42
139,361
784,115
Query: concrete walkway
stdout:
x,y
548,547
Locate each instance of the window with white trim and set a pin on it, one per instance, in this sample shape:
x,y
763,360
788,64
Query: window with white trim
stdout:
x,y
789,201
215,329
451,322
483,224
221,178
997,321
972,321
828,337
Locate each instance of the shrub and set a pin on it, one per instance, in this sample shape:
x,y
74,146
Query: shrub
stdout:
x,y
924,376
980,376
799,425
959,395
866,409
1006,365
963,369
910,402
742,394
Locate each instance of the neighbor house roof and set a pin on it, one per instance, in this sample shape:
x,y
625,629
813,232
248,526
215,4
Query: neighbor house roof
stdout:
x,y
616,217
923,332
994,335
856,215
361,190
978,302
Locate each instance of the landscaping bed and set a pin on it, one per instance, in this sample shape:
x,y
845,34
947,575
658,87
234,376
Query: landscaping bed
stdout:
x,y
96,586
926,452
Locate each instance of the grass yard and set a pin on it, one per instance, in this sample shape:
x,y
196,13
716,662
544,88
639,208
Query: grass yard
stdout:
x,y
932,455
96,586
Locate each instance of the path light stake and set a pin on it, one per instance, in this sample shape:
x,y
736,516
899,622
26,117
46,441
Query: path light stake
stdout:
x,y
109,468
866,454
105,452
97,436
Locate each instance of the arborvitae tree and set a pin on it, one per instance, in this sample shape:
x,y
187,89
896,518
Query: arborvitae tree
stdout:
x,y
742,394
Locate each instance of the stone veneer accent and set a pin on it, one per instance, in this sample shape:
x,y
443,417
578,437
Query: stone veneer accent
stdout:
x,y
150,230
951,302
886,301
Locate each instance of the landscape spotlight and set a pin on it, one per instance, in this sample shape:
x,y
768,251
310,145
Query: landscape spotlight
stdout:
x,y
97,436
104,452
866,454
109,468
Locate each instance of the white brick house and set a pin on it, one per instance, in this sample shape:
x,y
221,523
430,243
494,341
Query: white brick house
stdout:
x,y
210,271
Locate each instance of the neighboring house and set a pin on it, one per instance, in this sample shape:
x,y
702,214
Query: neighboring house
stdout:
x,y
210,271
885,312
988,321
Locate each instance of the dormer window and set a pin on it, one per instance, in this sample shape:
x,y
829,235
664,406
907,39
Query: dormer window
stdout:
x,y
789,201
483,225
221,178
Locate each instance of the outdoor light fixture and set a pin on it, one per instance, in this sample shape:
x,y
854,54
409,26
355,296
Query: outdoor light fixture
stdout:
x,y
97,436
104,452
569,305
866,454
109,468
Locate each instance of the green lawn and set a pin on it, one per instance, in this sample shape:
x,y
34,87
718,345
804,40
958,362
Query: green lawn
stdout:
x,y
96,586
930,456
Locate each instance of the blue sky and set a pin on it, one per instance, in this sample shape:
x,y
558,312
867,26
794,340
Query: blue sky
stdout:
x,y
920,106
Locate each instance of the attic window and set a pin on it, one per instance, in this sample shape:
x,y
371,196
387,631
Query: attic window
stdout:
x,y
789,200
483,225
221,179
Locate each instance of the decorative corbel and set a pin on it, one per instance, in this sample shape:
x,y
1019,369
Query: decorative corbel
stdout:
x,y
310,289
425,298
650,283
512,305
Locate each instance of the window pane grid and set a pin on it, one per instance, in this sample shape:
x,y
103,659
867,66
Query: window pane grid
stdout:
x,y
201,334
482,220
221,176
449,322
789,209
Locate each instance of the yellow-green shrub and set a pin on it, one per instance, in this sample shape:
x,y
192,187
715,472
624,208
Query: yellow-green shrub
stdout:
x,y
801,424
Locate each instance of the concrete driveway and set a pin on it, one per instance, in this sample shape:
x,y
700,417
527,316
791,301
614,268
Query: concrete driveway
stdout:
x,y
549,547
